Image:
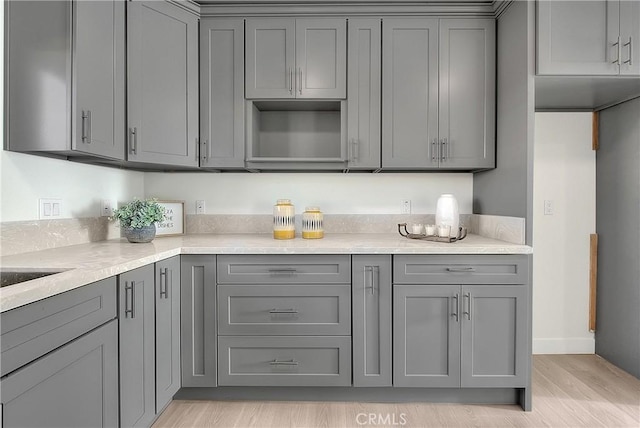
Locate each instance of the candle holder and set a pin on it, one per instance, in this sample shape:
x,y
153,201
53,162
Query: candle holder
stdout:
x,y
402,230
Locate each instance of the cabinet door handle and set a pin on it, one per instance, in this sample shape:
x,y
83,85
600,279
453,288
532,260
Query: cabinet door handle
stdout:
x,y
197,150
443,149
461,269
86,126
291,80
434,150
282,271
277,362
617,60
375,272
630,44
164,281
467,305
300,86
353,149
456,305
204,151
130,310
283,311
133,140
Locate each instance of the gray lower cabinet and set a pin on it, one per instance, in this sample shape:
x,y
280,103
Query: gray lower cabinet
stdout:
x,y
167,329
162,84
75,386
371,319
222,93
461,321
452,336
588,38
363,93
137,347
284,360
198,320
438,93
66,77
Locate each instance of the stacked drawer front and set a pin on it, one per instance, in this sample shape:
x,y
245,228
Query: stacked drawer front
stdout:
x,y
284,320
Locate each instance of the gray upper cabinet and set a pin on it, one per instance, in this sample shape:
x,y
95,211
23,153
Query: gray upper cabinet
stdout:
x,y
167,327
588,37
162,52
296,58
438,93
371,318
137,347
222,93
364,91
66,77
467,94
409,93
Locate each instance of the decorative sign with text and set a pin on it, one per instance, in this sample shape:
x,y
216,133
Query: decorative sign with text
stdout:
x,y
174,223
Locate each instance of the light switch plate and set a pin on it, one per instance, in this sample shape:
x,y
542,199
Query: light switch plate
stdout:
x,y
200,207
49,208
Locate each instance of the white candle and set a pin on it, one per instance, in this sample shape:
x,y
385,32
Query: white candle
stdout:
x,y
444,230
417,229
430,229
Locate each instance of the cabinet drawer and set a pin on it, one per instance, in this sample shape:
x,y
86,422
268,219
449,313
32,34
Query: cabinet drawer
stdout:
x,y
284,361
31,331
284,310
284,269
437,269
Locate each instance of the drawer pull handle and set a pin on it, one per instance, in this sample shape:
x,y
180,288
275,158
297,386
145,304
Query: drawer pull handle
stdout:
x,y
283,271
277,362
461,269
283,311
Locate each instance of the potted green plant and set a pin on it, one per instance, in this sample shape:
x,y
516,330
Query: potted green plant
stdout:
x,y
138,219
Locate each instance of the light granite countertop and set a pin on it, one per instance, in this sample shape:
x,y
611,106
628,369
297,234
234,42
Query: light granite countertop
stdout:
x,y
87,263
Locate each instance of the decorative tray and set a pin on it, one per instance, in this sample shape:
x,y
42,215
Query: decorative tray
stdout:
x,y
402,230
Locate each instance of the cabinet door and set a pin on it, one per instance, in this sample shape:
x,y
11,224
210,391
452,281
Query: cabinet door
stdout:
x,y
630,37
371,318
162,84
578,37
137,347
426,336
467,93
98,76
364,80
321,58
198,314
270,58
222,93
167,300
409,93
494,335
74,386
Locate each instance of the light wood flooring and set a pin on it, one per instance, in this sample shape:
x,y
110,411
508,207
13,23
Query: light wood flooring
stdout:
x,y
568,391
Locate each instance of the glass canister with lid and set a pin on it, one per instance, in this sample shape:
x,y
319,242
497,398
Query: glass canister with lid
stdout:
x,y
312,223
284,216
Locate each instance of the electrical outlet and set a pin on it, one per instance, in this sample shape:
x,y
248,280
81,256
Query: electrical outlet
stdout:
x,y
200,207
548,207
406,206
50,208
107,208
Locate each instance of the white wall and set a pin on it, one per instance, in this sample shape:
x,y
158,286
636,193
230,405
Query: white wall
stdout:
x,y
334,193
564,172
26,178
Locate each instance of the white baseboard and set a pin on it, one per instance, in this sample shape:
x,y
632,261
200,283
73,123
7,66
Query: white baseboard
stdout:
x,y
564,346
